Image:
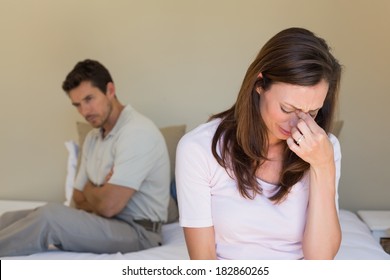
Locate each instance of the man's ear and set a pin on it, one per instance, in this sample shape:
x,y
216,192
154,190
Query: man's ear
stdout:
x,y
110,92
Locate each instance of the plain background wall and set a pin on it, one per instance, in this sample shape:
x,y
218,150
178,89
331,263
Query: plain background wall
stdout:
x,y
177,62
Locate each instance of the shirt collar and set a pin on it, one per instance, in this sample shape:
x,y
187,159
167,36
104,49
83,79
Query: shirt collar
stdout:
x,y
123,118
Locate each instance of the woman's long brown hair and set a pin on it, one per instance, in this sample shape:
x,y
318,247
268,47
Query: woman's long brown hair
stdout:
x,y
240,144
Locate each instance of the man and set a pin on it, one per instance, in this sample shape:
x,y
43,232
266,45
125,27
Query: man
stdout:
x,y
121,191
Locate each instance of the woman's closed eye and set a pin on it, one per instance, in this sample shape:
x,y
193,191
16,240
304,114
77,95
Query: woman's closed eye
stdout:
x,y
313,114
287,111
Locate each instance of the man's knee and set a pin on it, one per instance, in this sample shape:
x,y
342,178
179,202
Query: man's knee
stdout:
x,y
49,212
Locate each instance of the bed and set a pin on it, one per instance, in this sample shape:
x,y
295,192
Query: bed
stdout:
x,y
357,242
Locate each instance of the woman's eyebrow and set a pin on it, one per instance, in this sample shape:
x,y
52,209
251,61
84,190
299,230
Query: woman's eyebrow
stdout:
x,y
300,109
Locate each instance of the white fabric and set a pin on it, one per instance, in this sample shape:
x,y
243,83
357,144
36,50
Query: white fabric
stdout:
x,y
71,168
136,152
244,228
357,242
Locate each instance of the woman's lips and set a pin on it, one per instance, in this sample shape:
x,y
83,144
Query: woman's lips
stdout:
x,y
285,132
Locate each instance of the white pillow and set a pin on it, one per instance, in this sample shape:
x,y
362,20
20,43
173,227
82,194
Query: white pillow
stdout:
x,y
71,169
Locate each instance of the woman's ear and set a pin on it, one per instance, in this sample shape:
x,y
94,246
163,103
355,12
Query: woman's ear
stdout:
x,y
258,83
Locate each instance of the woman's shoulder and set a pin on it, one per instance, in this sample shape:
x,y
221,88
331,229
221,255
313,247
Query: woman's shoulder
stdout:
x,y
202,133
199,138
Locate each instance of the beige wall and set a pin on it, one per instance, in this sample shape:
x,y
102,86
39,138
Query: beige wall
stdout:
x,y
179,61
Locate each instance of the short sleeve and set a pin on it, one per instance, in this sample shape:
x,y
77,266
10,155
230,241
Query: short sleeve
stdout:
x,y
193,183
134,156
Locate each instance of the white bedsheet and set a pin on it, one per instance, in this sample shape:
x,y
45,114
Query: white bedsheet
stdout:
x,y
357,242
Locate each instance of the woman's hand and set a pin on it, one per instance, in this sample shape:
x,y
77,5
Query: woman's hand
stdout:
x,y
322,234
310,142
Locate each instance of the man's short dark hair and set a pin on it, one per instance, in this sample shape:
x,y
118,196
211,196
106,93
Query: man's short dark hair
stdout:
x,y
87,70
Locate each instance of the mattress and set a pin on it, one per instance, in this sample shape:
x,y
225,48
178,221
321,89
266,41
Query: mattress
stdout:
x,y
357,242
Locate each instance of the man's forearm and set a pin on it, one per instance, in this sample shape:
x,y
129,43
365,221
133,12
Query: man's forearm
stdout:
x,y
84,205
95,197
107,200
93,193
90,193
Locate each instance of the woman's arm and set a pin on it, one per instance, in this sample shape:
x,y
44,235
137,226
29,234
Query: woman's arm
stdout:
x,y
194,197
200,243
322,234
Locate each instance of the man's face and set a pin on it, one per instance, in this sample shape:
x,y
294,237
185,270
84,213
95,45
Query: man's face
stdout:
x,y
93,104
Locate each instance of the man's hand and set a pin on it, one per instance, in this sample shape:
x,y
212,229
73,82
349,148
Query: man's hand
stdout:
x,y
109,175
80,202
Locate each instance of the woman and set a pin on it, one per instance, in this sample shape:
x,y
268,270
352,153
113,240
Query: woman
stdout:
x,y
259,180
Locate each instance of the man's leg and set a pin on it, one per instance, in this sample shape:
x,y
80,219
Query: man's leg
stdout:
x,y
11,217
72,230
23,232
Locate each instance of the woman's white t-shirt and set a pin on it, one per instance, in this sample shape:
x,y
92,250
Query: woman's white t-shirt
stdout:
x,y
244,228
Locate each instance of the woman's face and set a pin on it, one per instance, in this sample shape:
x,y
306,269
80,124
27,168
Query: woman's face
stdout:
x,y
280,104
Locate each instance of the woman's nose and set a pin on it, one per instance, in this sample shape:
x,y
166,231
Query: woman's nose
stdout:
x,y
294,120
